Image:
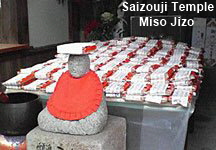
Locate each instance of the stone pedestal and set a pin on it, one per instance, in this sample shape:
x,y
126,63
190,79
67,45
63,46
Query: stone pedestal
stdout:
x,y
113,137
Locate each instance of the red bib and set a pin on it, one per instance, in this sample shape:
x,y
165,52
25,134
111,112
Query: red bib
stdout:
x,y
75,98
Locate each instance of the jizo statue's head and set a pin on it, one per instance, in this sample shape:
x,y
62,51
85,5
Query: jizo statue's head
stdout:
x,y
78,65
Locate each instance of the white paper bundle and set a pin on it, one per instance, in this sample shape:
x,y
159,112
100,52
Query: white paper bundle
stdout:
x,y
75,48
168,42
99,61
154,99
159,89
93,56
137,88
128,67
161,73
138,98
193,64
137,59
45,72
51,88
183,74
144,51
118,76
141,38
114,89
193,57
145,68
34,85
196,51
152,43
102,49
174,61
181,45
109,66
55,76
181,97
13,87
101,74
123,54
15,80
162,52
139,78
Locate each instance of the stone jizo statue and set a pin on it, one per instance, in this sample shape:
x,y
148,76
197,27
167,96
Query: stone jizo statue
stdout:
x,y
77,105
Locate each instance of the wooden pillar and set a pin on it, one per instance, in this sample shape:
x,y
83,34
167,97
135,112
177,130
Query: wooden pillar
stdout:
x,y
14,22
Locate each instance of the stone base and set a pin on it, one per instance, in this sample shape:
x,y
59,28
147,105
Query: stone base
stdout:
x,y
113,137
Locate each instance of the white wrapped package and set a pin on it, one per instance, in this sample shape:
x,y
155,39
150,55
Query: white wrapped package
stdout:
x,y
181,45
137,88
195,50
134,45
145,68
162,52
114,89
47,71
193,64
95,65
15,80
102,49
112,65
101,74
182,83
193,57
137,59
101,60
168,42
75,48
34,86
141,38
125,54
154,99
51,88
174,60
178,52
128,67
127,38
108,53
181,97
138,98
64,57
109,66
188,88
162,73
152,43
159,89
144,51
184,74
55,76
122,42
13,87
119,76
93,56
115,48
141,77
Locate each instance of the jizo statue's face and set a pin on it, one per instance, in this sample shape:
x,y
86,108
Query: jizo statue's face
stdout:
x,y
78,65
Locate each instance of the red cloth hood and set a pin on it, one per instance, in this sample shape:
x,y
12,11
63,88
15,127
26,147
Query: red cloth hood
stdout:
x,y
75,98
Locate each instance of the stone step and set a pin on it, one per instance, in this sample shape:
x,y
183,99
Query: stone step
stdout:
x,y
113,137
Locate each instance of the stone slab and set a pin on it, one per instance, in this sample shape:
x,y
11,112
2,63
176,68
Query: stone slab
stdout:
x,y
113,137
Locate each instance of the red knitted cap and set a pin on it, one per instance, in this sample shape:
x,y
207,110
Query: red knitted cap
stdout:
x,y
75,98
